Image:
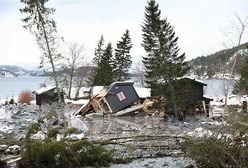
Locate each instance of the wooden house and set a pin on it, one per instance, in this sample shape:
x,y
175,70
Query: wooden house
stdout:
x,y
47,95
197,85
112,99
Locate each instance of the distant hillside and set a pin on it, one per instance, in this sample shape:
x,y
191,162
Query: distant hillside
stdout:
x,y
14,71
220,63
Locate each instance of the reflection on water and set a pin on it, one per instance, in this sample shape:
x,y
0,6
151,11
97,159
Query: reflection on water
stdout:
x,y
132,125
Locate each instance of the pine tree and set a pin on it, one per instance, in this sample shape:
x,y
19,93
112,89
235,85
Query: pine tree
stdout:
x,y
122,59
242,85
164,65
103,75
98,56
98,51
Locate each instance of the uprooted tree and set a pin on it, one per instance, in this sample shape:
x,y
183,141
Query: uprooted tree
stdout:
x,y
164,65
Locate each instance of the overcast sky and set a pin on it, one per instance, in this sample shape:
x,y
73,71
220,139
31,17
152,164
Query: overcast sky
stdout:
x,y
199,24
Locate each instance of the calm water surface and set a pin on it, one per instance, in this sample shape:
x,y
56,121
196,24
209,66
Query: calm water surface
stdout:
x,y
12,86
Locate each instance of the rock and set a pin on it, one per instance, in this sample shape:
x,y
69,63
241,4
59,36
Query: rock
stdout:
x,y
3,147
56,122
13,149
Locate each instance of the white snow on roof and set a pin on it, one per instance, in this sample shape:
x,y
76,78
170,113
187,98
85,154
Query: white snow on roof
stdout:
x,y
143,92
208,97
121,82
197,80
44,89
96,90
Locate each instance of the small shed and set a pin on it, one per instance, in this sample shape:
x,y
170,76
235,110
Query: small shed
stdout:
x,y
113,98
47,95
198,88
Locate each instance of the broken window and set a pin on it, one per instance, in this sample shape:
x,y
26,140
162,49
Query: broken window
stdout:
x,y
121,96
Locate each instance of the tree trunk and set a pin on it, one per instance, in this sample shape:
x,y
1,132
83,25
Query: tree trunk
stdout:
x,y
70,82
52,64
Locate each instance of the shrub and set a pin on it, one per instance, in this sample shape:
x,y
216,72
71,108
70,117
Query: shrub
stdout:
x,y
213,152
33,129
25,97
38,154
3,164
228,149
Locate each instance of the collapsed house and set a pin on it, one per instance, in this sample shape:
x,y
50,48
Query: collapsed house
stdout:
x,y
114,98
121,98
47,95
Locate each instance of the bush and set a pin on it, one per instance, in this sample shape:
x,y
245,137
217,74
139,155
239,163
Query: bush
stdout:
x,y
38,154
3,164
213,152
228,149
25,97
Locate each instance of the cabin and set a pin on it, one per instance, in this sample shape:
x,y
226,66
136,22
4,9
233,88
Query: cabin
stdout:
x,y
114,98
47,95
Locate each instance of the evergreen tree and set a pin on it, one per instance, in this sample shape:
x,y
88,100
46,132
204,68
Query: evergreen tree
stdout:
x,y
98,51
122,59
242,84
98,55
164,65
103,74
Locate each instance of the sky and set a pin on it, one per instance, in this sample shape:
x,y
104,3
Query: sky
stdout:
x,y
199,24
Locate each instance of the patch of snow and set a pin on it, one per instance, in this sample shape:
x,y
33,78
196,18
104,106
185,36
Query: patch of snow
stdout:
x,y
76,136
4,114
166,162
200,133
39,135
234,100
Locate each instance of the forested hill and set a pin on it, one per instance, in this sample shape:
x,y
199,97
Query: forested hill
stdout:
x,y
218,64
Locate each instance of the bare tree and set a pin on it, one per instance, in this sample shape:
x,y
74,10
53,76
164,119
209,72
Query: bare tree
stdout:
x,y
75,59
234,32
139,71
236,29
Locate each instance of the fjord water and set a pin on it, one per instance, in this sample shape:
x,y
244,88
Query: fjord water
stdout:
x,y
12,86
